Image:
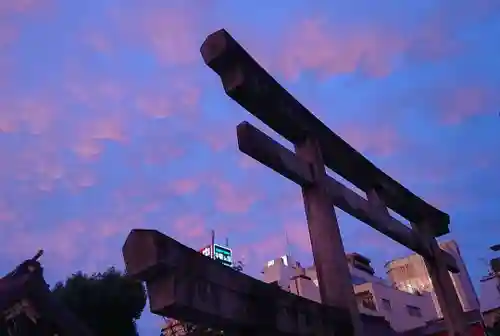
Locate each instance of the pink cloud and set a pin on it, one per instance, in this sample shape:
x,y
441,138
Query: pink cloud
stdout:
x,y
233,199
289,199
298,235
108,229
179,98
98,42
110,128
375,244
66,244
375,50
8,34
88,149
170,33
189,226
257,253
449,198
85,179
34,112
219,139
62,242
7,215
153,206
185,186
10,10
157,107
38,114
160,152
374,139
246,162
8,120
93,92
313,45
40,162
461,103
21,6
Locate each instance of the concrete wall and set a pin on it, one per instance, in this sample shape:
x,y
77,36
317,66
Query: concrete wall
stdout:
x,y
395,309
280,270
305,287
462,281
490,298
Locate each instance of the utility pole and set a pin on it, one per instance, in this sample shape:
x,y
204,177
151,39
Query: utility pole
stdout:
x,y
212,244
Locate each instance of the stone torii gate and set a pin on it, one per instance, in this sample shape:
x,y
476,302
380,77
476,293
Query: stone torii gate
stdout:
x,y
186,285
316,146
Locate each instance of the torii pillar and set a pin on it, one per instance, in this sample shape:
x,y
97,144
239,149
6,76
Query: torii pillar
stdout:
x,y
335,285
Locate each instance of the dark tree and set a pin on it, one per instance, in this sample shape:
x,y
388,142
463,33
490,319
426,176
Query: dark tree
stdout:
x,y
238,266
495,330
109,303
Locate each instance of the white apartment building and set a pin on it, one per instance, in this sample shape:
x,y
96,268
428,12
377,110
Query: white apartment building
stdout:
x,y
410,274
403,310
489,292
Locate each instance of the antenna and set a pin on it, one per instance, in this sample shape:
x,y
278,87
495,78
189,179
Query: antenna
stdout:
x,y
37,255
288,246
227,242
212,243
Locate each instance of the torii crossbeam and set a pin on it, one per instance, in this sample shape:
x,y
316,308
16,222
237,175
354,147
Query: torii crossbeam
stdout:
x,y
316,146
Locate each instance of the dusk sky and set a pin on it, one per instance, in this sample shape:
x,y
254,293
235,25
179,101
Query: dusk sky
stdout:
x,y
109,120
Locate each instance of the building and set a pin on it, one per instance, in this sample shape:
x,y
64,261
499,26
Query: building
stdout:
x,y
410,274
490,294
376,297
405,304
174,328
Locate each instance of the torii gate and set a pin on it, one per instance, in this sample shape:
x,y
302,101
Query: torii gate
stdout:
x,y
316,146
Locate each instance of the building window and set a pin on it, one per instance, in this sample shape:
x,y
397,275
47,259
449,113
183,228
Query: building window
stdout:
x,y
414,311
386,304
365,299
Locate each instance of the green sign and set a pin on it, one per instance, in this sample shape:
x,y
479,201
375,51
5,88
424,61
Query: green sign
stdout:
x,y
223,254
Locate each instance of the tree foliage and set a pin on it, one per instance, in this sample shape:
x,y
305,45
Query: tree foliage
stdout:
x,y
109,303
495,329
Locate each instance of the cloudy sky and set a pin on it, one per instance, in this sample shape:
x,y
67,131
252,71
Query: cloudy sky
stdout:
x,y
109,120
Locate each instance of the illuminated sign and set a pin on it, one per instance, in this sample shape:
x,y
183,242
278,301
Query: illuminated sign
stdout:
x,y
223,254
207,251
220,253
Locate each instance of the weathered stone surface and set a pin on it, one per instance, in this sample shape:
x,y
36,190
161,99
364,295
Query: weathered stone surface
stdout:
x,y
269,152
328,251
246,82
186,285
